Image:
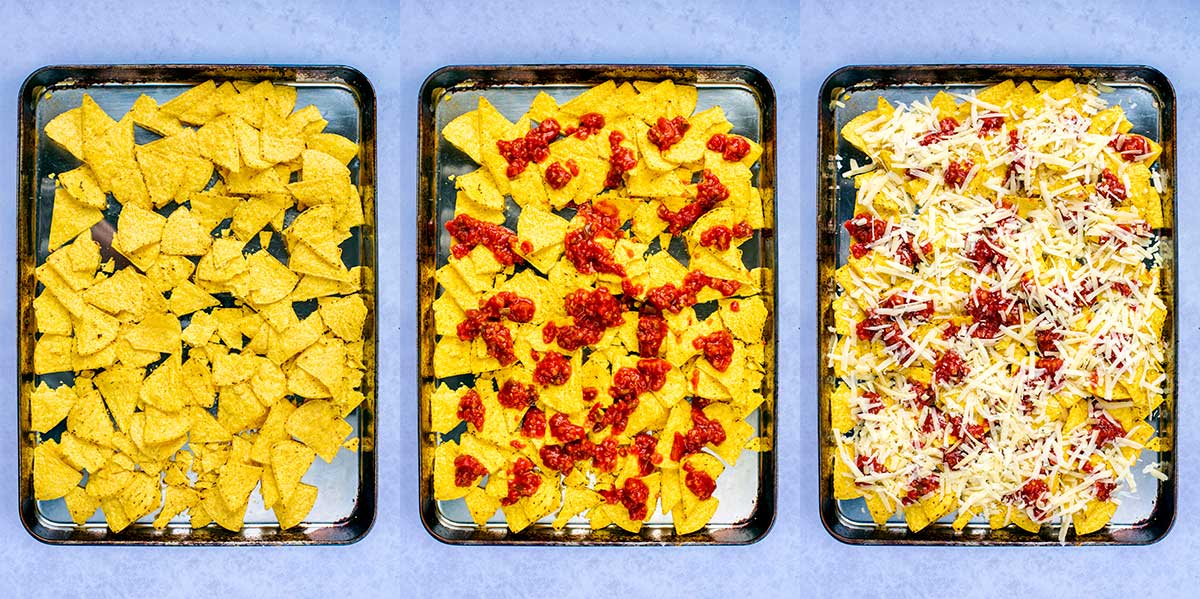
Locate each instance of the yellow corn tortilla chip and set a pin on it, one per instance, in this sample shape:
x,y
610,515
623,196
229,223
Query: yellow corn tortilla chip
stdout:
x,y
289,462
80,505
52,478
48,407
317,424
70,218
291,511
81,184
333,144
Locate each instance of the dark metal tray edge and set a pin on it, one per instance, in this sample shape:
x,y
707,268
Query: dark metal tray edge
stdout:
x,y
762,521
362,519
1163,517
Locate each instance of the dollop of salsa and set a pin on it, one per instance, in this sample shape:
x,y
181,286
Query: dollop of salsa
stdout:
x,y
470,232
699,482
552,369
594,312
709,192
524,482
667,132
946,128
704,430
956,173
580,248
651,331
1110,187
516,395
717,348
1130,147
674,299
620,161
732,147
467,470
534,424
721,237
632,496
558,176
470,409
533,147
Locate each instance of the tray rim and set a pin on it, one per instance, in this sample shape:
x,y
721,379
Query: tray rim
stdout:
x,y
362,518
764,515
1157,525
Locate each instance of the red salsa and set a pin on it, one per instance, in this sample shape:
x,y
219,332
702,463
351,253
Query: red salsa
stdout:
x,y
920,488
467,470
731,147
644,446
594,312
470,232
651,331
580,247
564,430
699,482
956,174
524,482
989,125
632,496
945,129
709,192
1130,147
516,395
552,369
991,310
984,255
666,133
717,348
720,236
533,147
949,368
534,424
589,125
620,161
503,305
703,431
1110,187
557,176
1107,430
470,409
675,299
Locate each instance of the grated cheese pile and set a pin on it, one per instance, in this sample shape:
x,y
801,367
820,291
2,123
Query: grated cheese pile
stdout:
x,y
998,329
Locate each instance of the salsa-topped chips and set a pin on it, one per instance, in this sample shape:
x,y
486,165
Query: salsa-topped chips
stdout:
x,y
606,353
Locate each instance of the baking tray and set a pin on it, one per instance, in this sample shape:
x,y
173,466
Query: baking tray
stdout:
x,y
345,507
1149,102
746,514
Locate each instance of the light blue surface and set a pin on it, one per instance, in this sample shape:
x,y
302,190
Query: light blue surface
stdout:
x,y
397,45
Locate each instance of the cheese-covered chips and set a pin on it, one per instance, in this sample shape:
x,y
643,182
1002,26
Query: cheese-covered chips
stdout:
x,y
999,326
218,349
599,362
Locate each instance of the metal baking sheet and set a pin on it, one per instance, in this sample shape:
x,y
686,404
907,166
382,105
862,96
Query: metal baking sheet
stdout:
x,y
345,507
747,491
1149,103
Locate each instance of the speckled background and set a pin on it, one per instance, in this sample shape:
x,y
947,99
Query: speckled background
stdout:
x,y
796,45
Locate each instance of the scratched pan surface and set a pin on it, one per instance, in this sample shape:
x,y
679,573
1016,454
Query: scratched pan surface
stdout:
x,y
1146,515
345,506
746,491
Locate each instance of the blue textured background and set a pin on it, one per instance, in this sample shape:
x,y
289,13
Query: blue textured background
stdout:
x,y
796,45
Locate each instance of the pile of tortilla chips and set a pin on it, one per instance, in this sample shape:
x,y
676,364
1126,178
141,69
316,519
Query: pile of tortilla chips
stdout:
x,y
651,258
218,347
